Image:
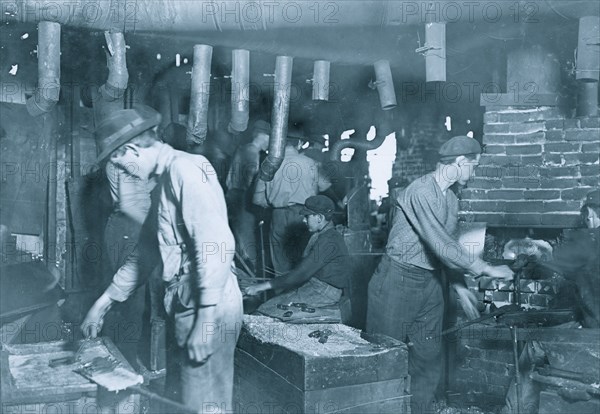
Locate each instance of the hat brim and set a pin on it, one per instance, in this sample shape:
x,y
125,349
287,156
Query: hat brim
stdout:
x,y
306,211
129,133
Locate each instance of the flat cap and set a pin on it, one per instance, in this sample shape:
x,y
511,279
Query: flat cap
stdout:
x,y
593,197
318,204
459,145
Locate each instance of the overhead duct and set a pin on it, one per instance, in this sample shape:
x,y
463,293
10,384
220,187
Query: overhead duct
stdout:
x,y
320,89
363,145
279,117
435,52
385,84
47,92
240,90
198,117
110,95
588,49
226,15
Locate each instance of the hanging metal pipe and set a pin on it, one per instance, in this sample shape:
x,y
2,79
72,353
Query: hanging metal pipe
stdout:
x,y
588,49
320,91
47,92
240,90
385,84
587,99
363,145
110,95
435,54
279,117
198,117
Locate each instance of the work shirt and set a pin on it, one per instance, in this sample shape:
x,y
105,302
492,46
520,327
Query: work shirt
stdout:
x,y
297,179
130,194
325,257
424,229
192,229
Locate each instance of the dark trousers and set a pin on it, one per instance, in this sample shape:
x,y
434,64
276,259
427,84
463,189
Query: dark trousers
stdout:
x,y
406,303
125,323
243,224
288,236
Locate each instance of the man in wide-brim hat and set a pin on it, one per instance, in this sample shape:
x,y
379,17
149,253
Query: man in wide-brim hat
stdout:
x,y
187,229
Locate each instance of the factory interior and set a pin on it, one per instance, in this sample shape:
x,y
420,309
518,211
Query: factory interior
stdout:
x,y
324,207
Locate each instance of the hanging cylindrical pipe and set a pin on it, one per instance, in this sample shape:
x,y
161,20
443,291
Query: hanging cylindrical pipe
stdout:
x,y
48,89
385,84
435,55
587,99
110,95
279,117
198,117
320,91
588,49
240,90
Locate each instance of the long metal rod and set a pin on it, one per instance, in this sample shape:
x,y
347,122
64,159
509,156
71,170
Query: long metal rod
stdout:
x,y
515,342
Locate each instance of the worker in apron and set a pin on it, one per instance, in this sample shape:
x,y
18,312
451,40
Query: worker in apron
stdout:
x,y
316,289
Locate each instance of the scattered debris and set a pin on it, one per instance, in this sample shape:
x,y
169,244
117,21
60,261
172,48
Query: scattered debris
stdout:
x,y
25,36
13,70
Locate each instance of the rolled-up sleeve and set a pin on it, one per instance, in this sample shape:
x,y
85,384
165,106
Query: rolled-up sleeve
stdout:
x,y
204,218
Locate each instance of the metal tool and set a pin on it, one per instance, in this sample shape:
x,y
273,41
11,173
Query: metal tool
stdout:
x,y
262,247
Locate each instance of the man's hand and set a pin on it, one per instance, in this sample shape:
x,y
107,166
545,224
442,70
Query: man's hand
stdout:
x,y
93,321
502,272
256,289
468,301
205,335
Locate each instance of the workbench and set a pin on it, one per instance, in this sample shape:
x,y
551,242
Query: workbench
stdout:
x,y
30,384
282,371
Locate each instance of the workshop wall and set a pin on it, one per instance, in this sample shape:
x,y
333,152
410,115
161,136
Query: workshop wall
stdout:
x,y
536,168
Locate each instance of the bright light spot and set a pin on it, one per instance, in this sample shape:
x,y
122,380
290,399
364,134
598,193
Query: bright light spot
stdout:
x,y
468,121
185,61
305,145
470,134
177,60
448,123
381,161
158,56
13,70
347,153
326,136
25,36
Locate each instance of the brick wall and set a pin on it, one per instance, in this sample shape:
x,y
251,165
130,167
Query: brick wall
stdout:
x,y
536,168
417,151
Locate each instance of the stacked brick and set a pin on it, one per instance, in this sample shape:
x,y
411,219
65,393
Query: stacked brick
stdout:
x,y
536,168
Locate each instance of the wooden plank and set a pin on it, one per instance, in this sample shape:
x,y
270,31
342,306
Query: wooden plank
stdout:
x,y
494,333
259,389
369,364
399,405
332,400
285,362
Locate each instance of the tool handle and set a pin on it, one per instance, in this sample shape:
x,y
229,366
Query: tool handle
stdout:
x,y
181,409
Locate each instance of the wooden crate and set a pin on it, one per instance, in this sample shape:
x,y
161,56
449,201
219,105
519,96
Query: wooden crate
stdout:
x,y
271,378
43,389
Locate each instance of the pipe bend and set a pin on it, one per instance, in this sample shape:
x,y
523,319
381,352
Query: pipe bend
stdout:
x,y
269,167
363,145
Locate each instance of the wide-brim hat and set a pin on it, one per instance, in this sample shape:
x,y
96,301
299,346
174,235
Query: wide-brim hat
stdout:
x,y
121,126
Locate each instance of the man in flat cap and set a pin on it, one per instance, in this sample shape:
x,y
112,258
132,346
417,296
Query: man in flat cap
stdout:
x,y
187,229
321,279
298,178
405,299
240,183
